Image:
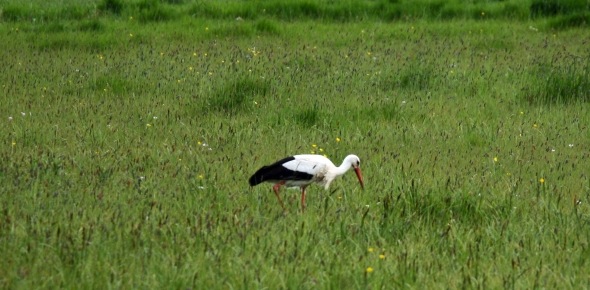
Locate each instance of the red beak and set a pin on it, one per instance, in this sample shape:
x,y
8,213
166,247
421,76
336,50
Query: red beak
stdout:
x,y
357,170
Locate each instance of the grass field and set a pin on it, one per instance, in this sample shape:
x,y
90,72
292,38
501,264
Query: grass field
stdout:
x,y
129,131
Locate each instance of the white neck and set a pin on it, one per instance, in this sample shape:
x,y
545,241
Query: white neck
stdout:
x,y
344,167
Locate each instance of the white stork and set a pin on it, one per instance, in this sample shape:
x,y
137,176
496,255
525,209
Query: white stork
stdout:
x,y
302,170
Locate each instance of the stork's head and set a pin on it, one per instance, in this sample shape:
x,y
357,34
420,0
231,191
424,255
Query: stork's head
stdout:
x,y
355,162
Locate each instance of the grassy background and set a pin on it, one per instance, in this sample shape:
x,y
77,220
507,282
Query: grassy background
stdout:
x,y
130,130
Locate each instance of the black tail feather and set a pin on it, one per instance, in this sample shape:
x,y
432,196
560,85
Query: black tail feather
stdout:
x,y
259,176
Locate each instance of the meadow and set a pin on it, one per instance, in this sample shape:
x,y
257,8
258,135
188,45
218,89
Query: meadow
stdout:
x,y
130,129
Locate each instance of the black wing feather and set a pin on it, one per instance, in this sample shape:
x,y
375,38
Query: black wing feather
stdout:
x,y
277,172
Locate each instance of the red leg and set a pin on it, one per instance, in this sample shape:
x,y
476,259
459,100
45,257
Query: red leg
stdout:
x,y
276,189
303,198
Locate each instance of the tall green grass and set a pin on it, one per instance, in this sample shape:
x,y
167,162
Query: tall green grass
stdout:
x,y
127,144
234,95
340,11
562,80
